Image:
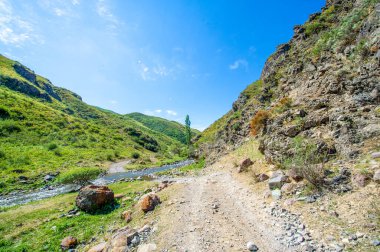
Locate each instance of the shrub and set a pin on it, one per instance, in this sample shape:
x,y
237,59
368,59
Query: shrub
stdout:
x,y
8,127
2,154
135,155
4,113
52,146
79,175
259,121
307,160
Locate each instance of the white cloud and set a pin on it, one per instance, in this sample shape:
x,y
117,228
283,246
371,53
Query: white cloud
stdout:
x,y
75,2
59,12
105,12
152,73
171,112
239,63
13,29
158,111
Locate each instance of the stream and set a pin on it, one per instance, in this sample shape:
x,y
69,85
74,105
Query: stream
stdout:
x,y
19,198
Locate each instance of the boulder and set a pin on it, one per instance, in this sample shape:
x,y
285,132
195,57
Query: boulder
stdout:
x,y
376,176
245,164
92,198
375,155
262,177
149,202
277,180
147,247
361,180
127,216
98,248
69,242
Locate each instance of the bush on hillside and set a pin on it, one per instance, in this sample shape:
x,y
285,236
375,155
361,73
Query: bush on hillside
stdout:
x,y
2,154
52,146
258,121
135,155
4,113
8,127
79,175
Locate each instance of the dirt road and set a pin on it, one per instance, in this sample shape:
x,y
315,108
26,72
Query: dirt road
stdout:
x,y
216,212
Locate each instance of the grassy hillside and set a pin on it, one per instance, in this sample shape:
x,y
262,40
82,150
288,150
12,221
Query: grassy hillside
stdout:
x,y
170,128
45,129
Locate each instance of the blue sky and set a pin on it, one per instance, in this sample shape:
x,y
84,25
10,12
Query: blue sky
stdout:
x,y
166,58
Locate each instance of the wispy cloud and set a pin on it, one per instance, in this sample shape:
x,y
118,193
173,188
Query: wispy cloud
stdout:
x,y
152,73
113,102
171,112
75,2
13,29
239,63
104,11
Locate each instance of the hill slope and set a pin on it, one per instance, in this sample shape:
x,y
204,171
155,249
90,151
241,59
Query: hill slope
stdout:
x,y
170,128
46,129
321,88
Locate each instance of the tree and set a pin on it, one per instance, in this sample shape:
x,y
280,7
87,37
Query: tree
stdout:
x,y
188,131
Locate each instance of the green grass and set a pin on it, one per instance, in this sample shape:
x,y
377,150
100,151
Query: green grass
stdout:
x,y
38,227
40,136
172,129
79,175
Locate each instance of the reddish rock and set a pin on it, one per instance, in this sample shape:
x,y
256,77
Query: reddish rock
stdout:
x,y
92,198
127,216
289,202
361,180
120,241
245,164
262,177
69,243
149,202
292,173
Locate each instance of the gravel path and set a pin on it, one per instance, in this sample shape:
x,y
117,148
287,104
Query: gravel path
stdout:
x,y
215,212
119,166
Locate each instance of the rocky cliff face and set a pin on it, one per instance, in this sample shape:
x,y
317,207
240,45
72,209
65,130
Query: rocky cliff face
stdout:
x,y
323,86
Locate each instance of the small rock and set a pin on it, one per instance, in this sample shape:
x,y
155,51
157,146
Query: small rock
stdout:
x,y
375,243
252,247
288,188
69,243
375,155
98,248
289,202
276,194
147,247
277,180
292,173
262,177
376,176
127,216
245,164
48,178
149,202
135,241
361,179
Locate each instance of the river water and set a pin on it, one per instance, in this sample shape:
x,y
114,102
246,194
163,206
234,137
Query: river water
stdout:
x,y
19,198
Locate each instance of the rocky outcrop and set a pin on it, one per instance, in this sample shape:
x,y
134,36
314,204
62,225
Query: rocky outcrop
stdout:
x,y
92,198
322,86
